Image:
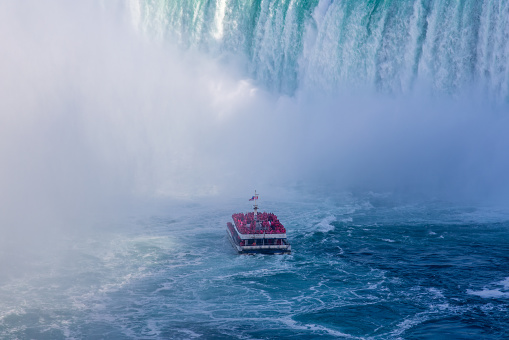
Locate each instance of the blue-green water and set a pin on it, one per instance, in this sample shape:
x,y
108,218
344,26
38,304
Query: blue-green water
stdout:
x,y
363,266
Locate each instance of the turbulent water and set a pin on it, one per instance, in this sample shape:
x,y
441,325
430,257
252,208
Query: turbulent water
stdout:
x,y
363,267
391,46
375,130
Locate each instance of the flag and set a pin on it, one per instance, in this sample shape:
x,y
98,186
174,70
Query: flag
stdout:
x,y
253,198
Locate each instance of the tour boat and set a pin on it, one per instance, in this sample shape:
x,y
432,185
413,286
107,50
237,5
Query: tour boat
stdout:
x,y
257,233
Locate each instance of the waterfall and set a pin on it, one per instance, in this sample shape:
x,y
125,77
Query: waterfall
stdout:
x,y
387,46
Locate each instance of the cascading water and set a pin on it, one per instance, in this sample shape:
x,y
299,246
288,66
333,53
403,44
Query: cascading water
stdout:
x,y
389,46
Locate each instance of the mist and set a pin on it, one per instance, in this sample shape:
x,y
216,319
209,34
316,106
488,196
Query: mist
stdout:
x,y
96,117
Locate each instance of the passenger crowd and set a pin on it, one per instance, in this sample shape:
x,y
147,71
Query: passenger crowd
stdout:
x,y
246,224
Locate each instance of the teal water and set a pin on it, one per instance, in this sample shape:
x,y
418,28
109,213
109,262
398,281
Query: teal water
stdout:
x,y
363,267
388,46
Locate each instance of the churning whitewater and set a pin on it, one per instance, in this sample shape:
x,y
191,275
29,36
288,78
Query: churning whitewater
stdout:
x,y
389,46
362,267
376,132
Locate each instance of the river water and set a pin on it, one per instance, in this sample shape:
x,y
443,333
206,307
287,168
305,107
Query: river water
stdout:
x,y
368,266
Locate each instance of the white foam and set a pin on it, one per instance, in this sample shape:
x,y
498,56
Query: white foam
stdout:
x,y
489,293
325,224
408,323
505,283
314,327
493,293
190,333
436,292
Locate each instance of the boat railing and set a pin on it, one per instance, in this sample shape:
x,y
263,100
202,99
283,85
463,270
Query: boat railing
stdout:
x,y
282,246
258,236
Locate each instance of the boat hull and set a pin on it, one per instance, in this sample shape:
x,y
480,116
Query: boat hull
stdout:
x,y
259,249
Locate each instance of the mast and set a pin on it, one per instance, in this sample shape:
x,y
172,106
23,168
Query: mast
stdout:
x,y
255,205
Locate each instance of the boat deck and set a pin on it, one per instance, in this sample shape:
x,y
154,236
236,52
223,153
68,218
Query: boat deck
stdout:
x,y
258,233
